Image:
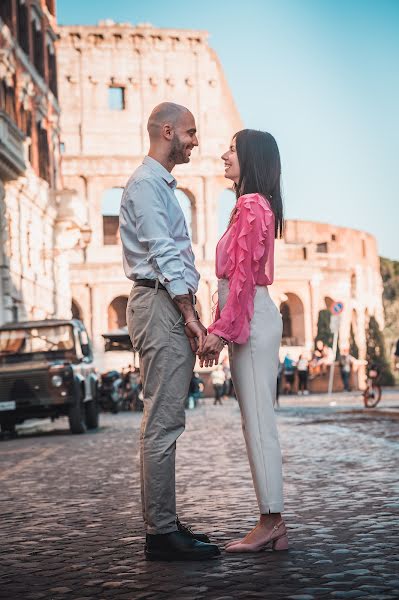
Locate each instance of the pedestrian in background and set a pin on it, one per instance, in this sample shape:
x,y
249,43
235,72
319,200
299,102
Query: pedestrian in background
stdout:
x,y
289,373
228,384
346,361
218,379
303,372
194,392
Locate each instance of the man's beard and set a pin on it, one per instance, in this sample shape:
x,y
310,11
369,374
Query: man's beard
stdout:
x,y
177,153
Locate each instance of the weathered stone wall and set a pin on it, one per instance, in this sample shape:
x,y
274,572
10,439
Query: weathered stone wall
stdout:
x,y
34,277
102,146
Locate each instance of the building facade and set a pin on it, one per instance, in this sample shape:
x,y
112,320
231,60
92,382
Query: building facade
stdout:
x,y
39,221
318,264
110,77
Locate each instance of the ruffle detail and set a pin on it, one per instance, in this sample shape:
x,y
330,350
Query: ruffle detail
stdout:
x,y
245,249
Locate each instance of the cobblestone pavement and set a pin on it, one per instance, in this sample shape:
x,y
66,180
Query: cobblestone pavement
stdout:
x,y
71,527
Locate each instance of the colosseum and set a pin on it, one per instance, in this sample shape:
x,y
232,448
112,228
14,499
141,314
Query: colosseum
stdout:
x,y
109,78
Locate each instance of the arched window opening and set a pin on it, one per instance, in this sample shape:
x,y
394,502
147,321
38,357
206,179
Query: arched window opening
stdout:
x,y
292,312
76,311
111,202
187,202
117,313
286,315
329,302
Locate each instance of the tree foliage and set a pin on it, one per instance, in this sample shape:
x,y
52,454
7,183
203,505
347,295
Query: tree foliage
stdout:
x,y
375,352
353,347
323,328
390,298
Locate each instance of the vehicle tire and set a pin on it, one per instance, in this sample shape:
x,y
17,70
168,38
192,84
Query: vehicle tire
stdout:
x,y
77,417
8,427
118,404
372,396
91,413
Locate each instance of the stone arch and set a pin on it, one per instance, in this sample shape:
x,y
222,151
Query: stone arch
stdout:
x,y
117,313
293,314
76,310
110,204
328,301
226,202
188,205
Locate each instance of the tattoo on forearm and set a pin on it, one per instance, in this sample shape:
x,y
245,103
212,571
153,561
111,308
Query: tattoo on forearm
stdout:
x,y
185,304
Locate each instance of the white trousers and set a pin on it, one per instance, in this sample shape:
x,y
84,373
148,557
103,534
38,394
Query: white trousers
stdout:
x,y
254,368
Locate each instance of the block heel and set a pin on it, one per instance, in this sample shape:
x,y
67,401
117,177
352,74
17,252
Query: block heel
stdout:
x,y
281,543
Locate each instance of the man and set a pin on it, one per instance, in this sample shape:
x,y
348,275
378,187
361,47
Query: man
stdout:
x,y
163,324
218,379
346,361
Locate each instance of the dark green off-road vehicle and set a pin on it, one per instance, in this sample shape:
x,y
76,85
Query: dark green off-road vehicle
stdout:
x,y
47,370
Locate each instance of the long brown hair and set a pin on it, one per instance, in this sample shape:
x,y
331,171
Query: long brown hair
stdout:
x,y
260,171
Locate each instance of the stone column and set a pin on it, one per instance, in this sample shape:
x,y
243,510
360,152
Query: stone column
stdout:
x,y
5,283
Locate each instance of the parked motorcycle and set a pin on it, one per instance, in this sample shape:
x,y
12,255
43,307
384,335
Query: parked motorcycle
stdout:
x,y
111,391
132,389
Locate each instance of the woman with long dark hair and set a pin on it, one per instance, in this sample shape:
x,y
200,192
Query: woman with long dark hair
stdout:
x,y
249,321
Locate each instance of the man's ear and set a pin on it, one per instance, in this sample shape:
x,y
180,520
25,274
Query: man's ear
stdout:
x,y
167,131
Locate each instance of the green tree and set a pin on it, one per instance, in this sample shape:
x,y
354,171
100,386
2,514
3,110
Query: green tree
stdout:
x,y
323,328
353,347
390,298
375,352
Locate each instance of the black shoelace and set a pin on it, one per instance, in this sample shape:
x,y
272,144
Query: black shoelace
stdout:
x,y
183,528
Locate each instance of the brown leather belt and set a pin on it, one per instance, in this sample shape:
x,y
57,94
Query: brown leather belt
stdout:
x,y
151,283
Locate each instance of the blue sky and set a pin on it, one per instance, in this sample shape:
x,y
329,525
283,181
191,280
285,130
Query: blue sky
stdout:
x,y
322,76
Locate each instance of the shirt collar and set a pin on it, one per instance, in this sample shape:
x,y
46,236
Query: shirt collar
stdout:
x,y
160,170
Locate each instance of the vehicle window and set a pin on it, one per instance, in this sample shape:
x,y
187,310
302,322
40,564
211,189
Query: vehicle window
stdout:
x,y
36,339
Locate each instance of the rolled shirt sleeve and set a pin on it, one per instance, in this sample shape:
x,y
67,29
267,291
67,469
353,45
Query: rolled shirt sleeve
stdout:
x,y
146,211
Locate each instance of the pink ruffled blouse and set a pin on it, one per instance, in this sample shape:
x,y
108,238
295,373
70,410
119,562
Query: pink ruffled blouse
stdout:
x,y
244,256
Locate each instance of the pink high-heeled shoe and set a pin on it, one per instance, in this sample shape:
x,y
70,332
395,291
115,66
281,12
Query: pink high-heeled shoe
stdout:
x,y
277,537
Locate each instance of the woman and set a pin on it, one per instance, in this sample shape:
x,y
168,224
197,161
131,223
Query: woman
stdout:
x,y
250,322
302,368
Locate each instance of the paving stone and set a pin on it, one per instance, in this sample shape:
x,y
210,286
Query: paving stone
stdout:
x,y
71,523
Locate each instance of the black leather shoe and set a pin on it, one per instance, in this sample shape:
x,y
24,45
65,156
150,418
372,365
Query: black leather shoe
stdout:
x,y
201,537
178,546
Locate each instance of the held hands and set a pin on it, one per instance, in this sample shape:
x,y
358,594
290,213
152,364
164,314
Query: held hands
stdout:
x,y
210,352
207,347
196,333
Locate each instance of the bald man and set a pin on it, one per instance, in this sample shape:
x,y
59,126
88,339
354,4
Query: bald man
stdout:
x,y
163,324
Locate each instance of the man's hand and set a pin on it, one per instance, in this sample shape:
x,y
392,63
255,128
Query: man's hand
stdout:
x,y
196,333
194,329
211,350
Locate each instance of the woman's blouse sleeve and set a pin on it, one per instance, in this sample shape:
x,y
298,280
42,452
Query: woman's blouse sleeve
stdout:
x,y
245,249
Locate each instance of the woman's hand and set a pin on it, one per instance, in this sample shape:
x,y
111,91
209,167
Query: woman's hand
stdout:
x,y
211,350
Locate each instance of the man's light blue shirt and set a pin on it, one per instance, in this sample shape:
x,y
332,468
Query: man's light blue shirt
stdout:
x,y
154,234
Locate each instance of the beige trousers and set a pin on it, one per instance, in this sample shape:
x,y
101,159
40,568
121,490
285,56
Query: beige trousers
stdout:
x,y
254,368
156,329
